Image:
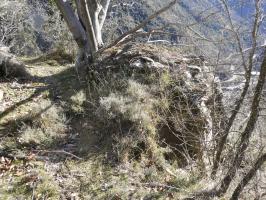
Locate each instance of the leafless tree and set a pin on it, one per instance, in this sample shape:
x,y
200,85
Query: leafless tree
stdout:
x,y
247,133
247,54
248,67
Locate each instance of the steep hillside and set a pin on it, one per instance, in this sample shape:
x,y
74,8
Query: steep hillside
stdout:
x,y
127,131
44,30
171,111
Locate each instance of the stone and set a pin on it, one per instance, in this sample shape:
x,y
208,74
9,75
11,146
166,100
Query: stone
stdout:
x,y
1,95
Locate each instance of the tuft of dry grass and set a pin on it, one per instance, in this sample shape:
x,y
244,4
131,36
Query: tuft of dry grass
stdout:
x,y
47,125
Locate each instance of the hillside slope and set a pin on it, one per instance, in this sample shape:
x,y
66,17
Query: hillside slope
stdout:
x,y
123,132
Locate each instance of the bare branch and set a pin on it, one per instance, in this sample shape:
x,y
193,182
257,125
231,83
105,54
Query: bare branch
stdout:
x,y
248,176
246,134
141,25
89,25
58,152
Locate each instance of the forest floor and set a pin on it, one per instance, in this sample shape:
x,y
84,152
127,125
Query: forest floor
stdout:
x,y
47,150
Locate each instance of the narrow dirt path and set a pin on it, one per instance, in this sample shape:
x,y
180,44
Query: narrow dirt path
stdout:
x,y
39,132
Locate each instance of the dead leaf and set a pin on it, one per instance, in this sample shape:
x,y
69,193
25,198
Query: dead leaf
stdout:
x,y
18,173
30,157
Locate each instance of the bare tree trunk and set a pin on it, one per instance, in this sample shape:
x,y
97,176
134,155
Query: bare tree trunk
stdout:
x,y
88,23
87,26
245,136
95,9
73,23
248,177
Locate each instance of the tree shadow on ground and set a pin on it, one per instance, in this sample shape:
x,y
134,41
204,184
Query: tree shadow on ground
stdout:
x,y
59,88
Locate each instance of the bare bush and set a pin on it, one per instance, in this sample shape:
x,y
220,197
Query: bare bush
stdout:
x,y
30,28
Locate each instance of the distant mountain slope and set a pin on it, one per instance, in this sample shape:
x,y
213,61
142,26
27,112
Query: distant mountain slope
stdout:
x,y
126,14
206,15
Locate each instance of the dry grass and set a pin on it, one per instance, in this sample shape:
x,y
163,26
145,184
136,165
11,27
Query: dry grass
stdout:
x,y
136,180
35,182
124,121
47,125
148,111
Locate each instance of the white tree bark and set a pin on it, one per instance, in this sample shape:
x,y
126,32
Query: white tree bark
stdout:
x,y
90,20
103,13
95,9
88,23
86,28
73,23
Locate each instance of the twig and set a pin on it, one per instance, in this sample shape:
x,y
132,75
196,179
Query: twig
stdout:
x,y
154,184
19,157
33,192
59,152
